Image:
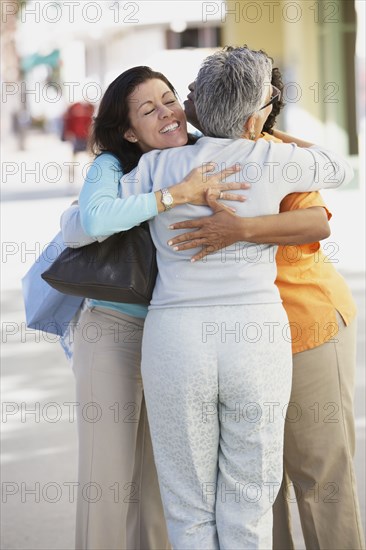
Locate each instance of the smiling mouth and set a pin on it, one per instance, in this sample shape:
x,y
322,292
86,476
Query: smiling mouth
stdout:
x,y
170,128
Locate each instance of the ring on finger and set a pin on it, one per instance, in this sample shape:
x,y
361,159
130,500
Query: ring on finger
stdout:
x,y
221,195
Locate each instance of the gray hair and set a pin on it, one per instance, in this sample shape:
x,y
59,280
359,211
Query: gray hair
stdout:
x,y
230,87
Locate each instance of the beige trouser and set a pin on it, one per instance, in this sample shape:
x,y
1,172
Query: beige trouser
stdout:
x,y
319,447
119,505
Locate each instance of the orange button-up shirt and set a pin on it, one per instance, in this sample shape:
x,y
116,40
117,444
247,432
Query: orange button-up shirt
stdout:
x,y
311,289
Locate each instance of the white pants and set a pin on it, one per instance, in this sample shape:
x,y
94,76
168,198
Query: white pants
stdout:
x,y
217,382
119,505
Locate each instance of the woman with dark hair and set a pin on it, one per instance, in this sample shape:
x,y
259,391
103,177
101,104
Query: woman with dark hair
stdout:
x,y
210,343
113,119
118,504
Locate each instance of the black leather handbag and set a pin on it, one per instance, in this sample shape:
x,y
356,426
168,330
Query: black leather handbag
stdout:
x,y
120,269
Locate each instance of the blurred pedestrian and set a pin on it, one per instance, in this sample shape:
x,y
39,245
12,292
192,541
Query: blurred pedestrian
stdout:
x,y
77,121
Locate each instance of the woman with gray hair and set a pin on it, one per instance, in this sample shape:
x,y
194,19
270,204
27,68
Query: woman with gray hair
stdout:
x,y
216,358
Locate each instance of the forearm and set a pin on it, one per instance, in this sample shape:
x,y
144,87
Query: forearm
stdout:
x,y
224,228
109,216
326,169
107,208
286,138
296,227
104,213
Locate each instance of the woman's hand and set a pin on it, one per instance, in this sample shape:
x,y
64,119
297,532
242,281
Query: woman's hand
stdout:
x,y
214,232
199,180
223,228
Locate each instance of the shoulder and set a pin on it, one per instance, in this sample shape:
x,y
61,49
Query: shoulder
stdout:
x,y
107,159
162,155
104,169
105,165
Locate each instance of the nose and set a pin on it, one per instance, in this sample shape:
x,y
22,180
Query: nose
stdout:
x,y
165,111
191,87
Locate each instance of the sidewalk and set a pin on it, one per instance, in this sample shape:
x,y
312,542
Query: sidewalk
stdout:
x,y
39,433
46,169
39,463
39,451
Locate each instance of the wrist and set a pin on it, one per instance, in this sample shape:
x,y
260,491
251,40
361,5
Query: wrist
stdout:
x,y
246,229
176,192
166,198
179,194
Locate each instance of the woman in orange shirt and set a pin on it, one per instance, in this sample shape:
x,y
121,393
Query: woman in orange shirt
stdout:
x,y
319,431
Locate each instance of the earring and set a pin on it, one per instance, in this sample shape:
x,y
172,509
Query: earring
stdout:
x,y
252,135
135,139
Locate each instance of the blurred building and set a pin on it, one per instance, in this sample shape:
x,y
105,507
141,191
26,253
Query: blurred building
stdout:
x,y
315,45
318,45
320,48
99,40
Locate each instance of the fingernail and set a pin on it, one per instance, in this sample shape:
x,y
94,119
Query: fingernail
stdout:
x,y
192,261
175,248
170,243
171,226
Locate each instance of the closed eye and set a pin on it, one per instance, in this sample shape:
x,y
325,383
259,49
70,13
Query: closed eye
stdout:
x,y
171,102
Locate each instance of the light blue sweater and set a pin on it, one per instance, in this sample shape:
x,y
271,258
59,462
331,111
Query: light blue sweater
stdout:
x,y
241,274
103,182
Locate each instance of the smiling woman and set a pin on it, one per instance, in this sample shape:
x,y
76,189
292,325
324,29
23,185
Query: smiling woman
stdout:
x,y
157,119
137,105
206,346
139,112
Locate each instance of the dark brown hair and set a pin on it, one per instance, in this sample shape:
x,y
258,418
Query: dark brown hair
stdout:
x,y
277,107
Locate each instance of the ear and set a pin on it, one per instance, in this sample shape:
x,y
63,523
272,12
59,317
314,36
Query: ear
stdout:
x,y
249,126
130,136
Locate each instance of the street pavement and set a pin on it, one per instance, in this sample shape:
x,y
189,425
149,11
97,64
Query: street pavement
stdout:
x,y
39,440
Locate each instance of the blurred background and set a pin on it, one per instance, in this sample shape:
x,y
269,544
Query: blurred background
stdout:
x,y
58,57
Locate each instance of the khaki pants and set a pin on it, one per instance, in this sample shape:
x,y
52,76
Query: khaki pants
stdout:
x,y
319,448
119,505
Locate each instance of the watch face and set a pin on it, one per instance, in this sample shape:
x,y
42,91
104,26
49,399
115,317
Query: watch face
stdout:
x,y
168,200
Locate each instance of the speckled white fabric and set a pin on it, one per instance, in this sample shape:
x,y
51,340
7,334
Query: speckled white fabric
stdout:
x,y
217,382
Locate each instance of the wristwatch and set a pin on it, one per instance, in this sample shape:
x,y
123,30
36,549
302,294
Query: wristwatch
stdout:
x,y
166,199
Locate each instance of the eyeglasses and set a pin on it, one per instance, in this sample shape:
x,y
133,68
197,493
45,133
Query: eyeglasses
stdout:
x,y
276,96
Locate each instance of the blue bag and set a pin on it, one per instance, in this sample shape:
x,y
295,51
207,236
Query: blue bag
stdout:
x,y
47,309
